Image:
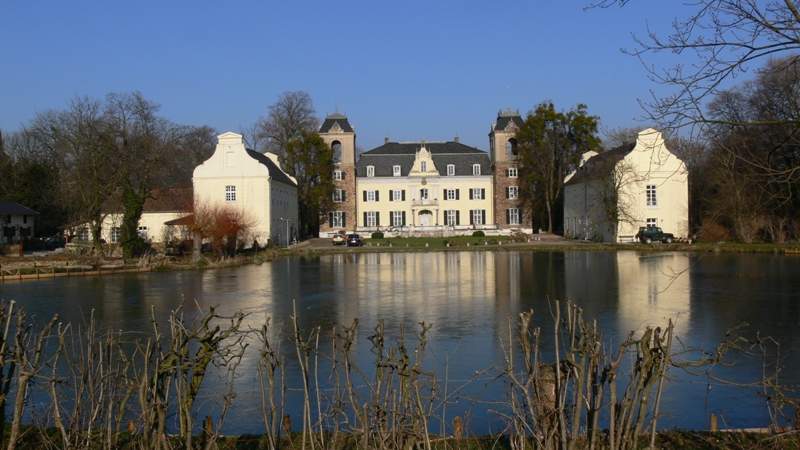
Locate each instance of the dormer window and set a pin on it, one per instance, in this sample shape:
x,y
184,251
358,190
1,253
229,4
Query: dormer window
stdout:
x,y
230,193
370,171
451,170
423,166
476,169
336,148
396,171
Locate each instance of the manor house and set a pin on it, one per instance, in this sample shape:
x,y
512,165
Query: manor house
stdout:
x,y
446,188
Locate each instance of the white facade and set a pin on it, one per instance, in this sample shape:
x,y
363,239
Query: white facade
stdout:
x,y
651,187
425,201
15,227
151,227
252,184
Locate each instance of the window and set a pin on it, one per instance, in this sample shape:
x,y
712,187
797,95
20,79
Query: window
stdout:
x,y
423,194
83,233
8,218
398,218
371,219
142,230
476,169
338,195
336,148
511,172
371,196
116,234
230,193
651,195
395,171
397,194
477,216
652,222
337,219
338,175
451,170
512,192
451,217
423,166
512,216
370,171
451,194
511,148
477,194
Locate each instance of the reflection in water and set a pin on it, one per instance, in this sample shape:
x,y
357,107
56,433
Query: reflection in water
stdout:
x,y
469,297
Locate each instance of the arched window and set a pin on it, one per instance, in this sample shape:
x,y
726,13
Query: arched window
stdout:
x,y
336,146
511,147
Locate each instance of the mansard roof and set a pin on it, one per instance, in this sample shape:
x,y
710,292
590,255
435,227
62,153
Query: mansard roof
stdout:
x,y
402,154
504,118
275,172
334,119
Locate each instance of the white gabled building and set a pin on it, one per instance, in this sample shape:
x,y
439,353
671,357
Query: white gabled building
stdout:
x,y
252,183
643,184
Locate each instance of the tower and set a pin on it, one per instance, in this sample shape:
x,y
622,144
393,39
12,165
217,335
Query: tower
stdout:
x,y
508,210
337,132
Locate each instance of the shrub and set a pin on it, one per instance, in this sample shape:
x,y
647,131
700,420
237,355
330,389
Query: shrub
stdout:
x,y
377,235
713,231
478,233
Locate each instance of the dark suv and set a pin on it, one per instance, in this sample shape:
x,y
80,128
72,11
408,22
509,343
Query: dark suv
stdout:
x,y
648,235
354,240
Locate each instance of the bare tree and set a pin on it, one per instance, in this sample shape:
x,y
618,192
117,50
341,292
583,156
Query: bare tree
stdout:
x,y
287,119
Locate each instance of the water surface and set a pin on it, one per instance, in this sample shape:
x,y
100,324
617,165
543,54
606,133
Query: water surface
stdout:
x,y
469,298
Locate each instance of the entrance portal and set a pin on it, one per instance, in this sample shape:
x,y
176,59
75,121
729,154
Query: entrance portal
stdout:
x,y
425,218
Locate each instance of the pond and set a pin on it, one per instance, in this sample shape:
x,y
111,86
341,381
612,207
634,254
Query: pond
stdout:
x,y
469,298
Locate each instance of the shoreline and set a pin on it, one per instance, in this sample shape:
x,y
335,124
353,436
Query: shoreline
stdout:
x,y
38,268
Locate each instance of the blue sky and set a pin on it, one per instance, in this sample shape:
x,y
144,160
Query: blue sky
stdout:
x,y
408,70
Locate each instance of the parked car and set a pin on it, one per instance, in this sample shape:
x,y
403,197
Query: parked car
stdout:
x,y
339,238
354,240
651,234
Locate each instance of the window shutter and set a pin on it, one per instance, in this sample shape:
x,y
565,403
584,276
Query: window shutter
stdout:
x,y
343,174
344,195
365,196
458,217
365,218
377,196
471,218
344,219
508,217
508,190
471,195
330,219
458,192
377,217
404,218
483,217
483,194
391,195
403,196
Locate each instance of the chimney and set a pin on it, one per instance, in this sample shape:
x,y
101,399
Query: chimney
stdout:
x,y
455,139
386,140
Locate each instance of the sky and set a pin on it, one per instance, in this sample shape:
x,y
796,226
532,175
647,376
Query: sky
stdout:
x,y
407,70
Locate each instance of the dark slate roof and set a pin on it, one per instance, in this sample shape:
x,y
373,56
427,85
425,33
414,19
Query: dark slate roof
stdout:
x,y
502,122
403,154
341,119
601,164
275,172
15,209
